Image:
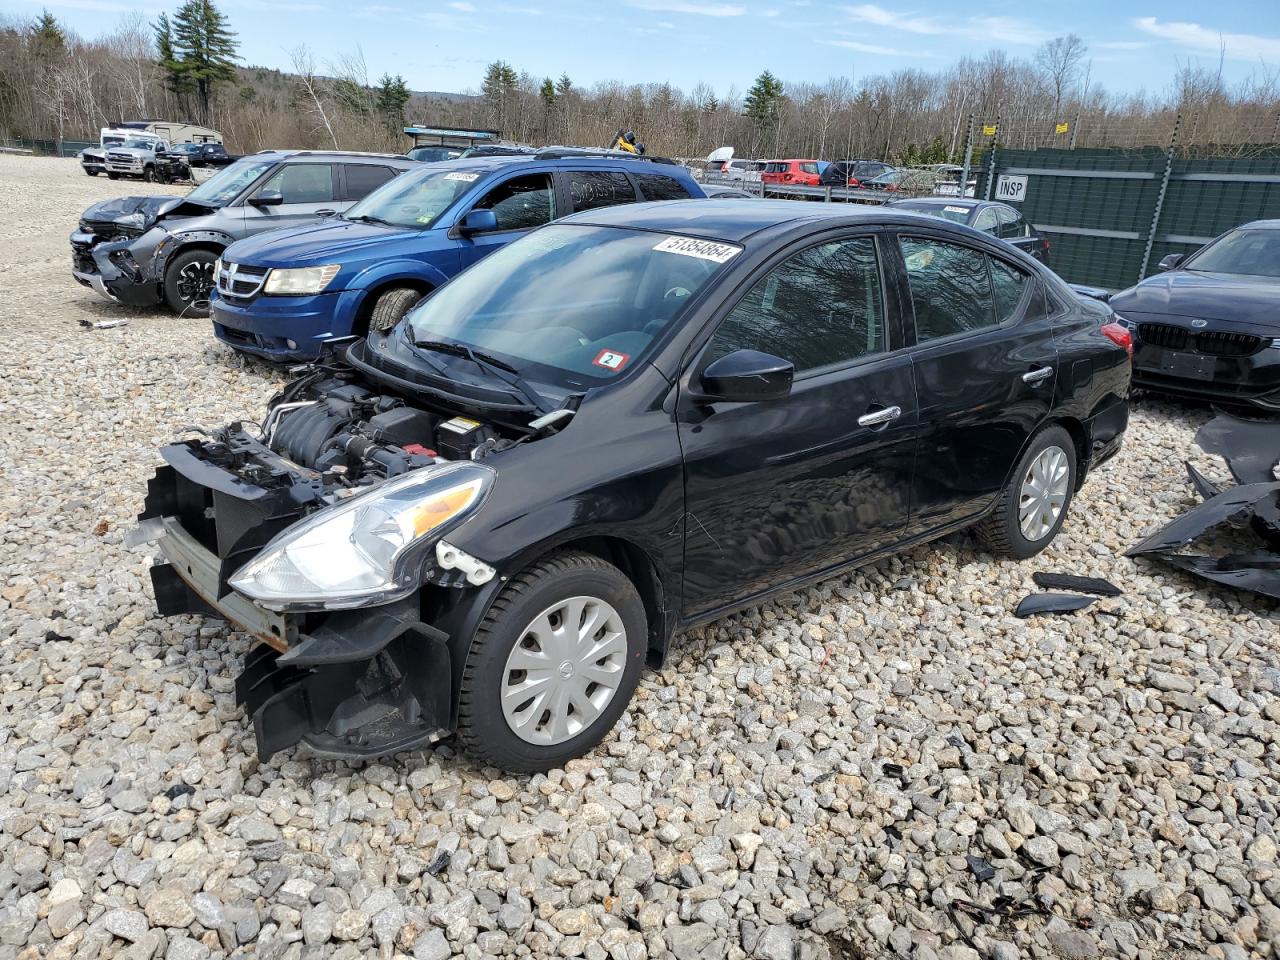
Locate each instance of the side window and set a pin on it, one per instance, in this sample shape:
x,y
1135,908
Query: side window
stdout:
x,y
521,203
1008,284
809,167
986,221
599,188
303,183
950,288
1012,225
364,178
654,186
821,306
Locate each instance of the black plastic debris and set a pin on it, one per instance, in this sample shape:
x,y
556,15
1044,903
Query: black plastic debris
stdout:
x,y
982,871
1251,450
897,771
1069,581
1038,603
53,636
180,790
440,864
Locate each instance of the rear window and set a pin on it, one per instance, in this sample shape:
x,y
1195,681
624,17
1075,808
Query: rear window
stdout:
x,y
775,167
654,186
809,167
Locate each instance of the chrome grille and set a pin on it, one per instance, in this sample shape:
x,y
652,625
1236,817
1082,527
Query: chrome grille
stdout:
x,y
122,158
240,280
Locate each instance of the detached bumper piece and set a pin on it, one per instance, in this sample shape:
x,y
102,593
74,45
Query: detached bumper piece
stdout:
x,y
1251,450
362,686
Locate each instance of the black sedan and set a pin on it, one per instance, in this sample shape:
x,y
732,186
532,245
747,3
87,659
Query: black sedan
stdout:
x,y
487,520
989,216
1209,326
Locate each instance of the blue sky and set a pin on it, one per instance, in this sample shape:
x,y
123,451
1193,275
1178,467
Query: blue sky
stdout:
x,y
444,44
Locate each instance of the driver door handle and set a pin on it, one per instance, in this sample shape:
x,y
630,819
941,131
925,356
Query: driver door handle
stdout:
x,y
1038,375
877,417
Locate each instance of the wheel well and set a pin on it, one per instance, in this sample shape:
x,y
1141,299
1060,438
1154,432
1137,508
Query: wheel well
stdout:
x,y
1081,440
361,324
639,569
194,245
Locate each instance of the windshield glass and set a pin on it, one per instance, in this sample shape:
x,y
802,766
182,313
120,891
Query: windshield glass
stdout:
x,y
226,186
577,304
135,144
432,154
956,214
416,199
1254,253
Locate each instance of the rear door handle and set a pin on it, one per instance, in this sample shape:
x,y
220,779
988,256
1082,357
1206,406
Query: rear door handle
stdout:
x,y
877,417
1037,375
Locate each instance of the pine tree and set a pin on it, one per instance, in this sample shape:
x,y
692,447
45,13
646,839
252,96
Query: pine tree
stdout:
x,y
175,77
564,86
547,94
206,48
763,104
393,97
48,41
499,89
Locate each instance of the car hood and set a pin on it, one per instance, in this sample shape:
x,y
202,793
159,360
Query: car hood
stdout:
x,y
337,241
142,212
1213,296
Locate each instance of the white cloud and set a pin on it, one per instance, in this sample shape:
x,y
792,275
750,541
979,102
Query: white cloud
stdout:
x,y
871,48
1003,29
1238,46
689,6
463,6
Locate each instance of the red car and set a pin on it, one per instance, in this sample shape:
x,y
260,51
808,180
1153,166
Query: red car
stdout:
x,y
793,172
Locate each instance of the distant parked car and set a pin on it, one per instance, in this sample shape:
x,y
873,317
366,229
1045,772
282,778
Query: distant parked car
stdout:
x,y
998,219
161,249
204,154
736,169
791,173
852,173
434,154
1209,325
715,192
284,296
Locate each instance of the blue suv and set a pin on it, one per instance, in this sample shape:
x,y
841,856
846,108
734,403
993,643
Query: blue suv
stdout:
x,y
282,295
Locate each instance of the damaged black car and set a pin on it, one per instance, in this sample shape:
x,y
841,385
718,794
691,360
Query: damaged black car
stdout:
x,y
161,249
487,520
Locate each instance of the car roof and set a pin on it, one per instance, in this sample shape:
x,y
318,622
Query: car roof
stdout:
x,y
483,165
737,220
1260,225
328,156
969,202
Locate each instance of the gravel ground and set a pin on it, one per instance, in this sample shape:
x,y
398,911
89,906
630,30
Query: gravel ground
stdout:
x,y
1114,772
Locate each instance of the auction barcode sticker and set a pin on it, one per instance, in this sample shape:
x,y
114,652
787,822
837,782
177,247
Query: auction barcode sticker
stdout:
x,y
702,249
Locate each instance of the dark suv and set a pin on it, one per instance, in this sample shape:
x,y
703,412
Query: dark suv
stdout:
x,y
488,519
147,250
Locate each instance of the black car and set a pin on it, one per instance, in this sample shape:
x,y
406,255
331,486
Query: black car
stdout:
x,y
488,519
989,216
1209,326
851,173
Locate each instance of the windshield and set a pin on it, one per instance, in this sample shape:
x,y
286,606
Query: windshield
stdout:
x,y
577,304
415,200
1253,253
226,186
135,144
956,214
432,154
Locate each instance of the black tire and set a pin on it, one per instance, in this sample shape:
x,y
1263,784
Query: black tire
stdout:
x,y
186,295
111,175
92,173
391,306
483,730
1001,531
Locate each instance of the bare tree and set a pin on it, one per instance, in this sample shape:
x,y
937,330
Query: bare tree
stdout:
x,y
304,67
1059,60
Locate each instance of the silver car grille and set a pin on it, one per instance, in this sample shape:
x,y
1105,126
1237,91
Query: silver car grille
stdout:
x,y
240,280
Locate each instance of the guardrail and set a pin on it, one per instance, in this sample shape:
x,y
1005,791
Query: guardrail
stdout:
x,y
797,192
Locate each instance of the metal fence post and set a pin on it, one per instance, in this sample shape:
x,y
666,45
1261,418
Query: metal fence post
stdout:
x,y
968,157
1164,187
991,160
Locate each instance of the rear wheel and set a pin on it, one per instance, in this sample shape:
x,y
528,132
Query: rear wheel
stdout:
x,y
1034,505
552,665
391,306
188,282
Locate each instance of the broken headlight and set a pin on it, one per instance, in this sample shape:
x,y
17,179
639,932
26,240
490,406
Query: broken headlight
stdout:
x,y
300,281
368,550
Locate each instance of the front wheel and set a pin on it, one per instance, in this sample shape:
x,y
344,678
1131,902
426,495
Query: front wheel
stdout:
x,y
112,176
1034,504
92,173
553,664
188,282
391,306
148,175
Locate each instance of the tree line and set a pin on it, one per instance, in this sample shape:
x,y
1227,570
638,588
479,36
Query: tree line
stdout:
x,y
54,83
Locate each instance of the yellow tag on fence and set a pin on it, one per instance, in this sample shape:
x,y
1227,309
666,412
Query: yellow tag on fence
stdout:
x,y
988,129
1061,128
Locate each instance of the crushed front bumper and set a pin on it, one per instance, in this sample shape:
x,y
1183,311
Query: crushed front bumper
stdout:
x,y
92,266
348,684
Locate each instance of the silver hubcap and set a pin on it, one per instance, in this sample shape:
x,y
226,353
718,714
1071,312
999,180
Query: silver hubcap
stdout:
x,y
1044,493
563,670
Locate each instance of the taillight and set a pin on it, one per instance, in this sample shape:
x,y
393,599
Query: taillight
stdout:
x,y
1120,335
853,182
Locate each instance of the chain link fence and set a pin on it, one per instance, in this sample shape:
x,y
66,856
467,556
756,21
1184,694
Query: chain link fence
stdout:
x,y
45,148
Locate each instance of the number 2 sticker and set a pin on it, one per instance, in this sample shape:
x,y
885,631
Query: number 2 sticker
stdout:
x,y
611,360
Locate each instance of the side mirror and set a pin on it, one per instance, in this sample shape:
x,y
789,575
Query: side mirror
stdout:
x,y
267,198
1171,261
478,221
747,376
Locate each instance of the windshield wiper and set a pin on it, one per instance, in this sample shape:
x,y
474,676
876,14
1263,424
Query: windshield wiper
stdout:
x,y
366,218
498,369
